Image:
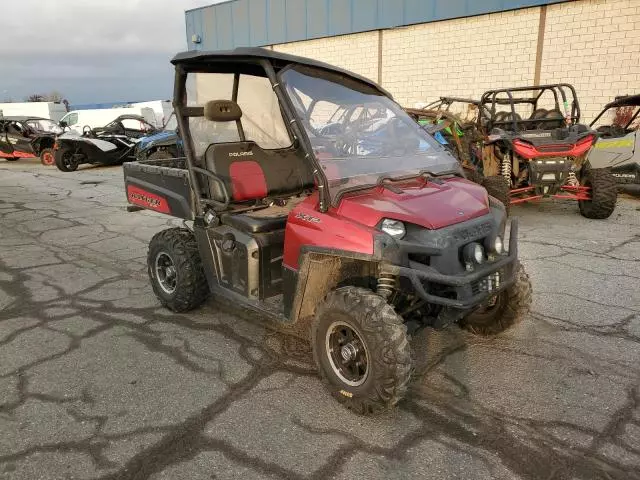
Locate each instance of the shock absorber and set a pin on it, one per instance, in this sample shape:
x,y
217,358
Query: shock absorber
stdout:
x,y
387,282
505,168
572,179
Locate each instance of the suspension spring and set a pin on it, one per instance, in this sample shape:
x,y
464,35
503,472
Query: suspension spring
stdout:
x,y
572,180
506,167
386,284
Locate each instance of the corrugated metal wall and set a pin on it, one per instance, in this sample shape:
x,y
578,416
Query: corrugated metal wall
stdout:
x,y
267,22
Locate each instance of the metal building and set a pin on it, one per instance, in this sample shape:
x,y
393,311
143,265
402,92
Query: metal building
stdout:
x,y
239,23
422,49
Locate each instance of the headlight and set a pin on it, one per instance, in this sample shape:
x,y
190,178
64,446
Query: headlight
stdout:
x,y
473,252
494,246
498,246
393,228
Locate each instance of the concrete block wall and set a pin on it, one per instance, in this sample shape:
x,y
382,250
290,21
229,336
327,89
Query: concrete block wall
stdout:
x,y
462,57
593,44
357,52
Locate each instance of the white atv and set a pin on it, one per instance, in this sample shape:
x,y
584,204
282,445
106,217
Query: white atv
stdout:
x,y
618,145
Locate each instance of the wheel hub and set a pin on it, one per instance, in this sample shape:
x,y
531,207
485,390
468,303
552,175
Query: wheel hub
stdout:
x,y
166,273
347,354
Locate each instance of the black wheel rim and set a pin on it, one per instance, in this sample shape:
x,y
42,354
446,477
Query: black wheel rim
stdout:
x,y
67,160
166,273
347,354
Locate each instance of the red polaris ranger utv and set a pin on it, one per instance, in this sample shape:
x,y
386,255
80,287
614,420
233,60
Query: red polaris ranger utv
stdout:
x,y
316,200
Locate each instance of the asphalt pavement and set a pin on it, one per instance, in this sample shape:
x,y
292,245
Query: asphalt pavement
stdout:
x,y
97,381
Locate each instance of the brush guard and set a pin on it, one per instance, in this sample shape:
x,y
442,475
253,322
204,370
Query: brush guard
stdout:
x,y
473,288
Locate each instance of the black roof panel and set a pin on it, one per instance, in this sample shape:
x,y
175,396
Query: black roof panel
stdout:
x,y
254,55
625,101
12,118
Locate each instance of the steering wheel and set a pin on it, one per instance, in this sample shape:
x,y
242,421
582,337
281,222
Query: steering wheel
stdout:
x,y
347,143
87,131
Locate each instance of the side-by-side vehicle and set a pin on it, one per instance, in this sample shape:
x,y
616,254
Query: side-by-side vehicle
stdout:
x,y
527,143
28,137
618,145
318,202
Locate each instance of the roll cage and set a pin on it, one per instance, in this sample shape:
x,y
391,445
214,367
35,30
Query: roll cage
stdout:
x,y
565,105
621,101
255,62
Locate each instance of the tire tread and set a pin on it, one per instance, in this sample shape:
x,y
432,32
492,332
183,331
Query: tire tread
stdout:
x,y
387,344
193,288
604,191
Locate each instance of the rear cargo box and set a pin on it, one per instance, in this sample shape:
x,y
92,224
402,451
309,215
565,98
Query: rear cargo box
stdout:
x,y
160,185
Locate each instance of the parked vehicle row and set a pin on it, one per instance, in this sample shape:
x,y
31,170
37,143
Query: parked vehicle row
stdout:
x,y
123,139
528,143
113,144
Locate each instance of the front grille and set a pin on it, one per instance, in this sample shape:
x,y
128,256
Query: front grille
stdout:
x,y
555,147
489,283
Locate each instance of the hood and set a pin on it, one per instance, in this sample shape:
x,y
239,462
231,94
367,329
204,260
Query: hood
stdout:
x,y
156,137
433,204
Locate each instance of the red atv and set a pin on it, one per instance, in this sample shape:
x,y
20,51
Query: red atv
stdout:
x,y
535,147
356,229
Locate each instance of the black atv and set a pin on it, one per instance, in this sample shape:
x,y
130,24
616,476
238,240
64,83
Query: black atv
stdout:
x,y
28,137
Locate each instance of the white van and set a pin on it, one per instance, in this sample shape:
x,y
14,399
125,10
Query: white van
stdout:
x,y
52,111
162,109
77,120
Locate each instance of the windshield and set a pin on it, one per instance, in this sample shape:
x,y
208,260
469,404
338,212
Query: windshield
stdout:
x,y
359,135
618,121
44,125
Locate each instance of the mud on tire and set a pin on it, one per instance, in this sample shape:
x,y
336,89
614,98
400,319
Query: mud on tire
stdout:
x,y
604,193
498,187
511,305
384,337
176,271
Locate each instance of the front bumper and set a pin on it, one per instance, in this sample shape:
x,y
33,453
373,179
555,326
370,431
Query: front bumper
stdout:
x,y
470,289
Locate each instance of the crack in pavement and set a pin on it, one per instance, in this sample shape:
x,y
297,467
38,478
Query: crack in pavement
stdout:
x,y
464,398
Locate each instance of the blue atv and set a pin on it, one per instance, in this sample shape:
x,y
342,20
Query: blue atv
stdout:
x,y
163,145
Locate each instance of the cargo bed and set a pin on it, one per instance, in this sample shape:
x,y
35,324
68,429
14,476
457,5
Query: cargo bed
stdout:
x,y
160,185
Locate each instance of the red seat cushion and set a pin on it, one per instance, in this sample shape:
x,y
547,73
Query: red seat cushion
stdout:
x,y
247,180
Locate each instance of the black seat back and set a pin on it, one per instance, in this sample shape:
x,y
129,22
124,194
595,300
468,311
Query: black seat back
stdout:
x,y
251,173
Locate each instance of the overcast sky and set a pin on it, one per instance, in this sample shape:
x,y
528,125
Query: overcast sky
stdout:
x,y
91,50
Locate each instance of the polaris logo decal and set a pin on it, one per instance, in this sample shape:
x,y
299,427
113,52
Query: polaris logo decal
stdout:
x,y
241,154
307,218
536,135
